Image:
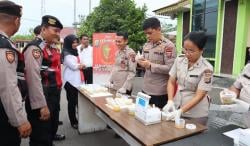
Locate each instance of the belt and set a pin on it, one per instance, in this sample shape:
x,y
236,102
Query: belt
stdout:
x,y
87,68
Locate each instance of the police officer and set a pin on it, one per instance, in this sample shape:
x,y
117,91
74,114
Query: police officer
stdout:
x,y
242,104
158,57
37,30
193,74
124,68
13,120
43,72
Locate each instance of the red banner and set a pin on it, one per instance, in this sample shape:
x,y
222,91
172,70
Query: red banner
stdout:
x,y
104,49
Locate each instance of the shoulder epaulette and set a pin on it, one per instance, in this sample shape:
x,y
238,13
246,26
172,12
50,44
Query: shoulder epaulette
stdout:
x,y
35,42
4,43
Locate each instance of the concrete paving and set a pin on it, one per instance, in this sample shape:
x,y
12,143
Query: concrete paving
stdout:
x,y
106,137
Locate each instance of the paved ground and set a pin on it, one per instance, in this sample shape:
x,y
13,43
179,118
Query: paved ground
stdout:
x,y
106,138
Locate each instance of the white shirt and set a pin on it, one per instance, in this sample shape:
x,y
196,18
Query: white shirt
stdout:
x,y
86,55
71,71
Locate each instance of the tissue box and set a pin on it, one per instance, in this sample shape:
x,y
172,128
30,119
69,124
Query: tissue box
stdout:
x,y
148,116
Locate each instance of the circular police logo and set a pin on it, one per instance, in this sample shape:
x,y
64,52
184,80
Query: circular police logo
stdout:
x,y
132,57
10,56
36,53
168,52
208,75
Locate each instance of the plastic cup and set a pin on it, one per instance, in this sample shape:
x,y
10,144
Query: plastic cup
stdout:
x,y
180,123
116,108
227,97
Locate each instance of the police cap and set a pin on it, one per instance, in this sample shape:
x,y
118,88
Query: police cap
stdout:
x,y
51,21
10,8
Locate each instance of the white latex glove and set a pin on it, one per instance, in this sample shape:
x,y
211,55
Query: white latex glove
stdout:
x,y
138,56
169,107
175,115
122,90
239,106
109,85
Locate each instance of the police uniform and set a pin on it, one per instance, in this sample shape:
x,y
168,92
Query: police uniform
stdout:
x,y
12,112
243,84
124,69
43,72
161,55
189,80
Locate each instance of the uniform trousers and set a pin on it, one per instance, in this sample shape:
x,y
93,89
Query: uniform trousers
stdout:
x,y
41,130
129,92
158,100
9,135
88,75
52,95
72,97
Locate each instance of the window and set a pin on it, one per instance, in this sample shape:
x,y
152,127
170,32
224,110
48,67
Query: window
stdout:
x,y
205,18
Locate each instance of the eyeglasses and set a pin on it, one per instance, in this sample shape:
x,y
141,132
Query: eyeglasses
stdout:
x,y
189,51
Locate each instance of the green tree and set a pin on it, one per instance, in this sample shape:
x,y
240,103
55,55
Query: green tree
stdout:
x,y
115,16
28,36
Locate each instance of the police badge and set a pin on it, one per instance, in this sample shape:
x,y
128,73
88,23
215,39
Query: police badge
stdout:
x,y
10,56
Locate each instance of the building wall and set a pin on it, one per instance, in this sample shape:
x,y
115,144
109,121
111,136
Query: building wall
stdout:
x,y
228,43
186,22
248,38
233,38
243,13
179,32
248,42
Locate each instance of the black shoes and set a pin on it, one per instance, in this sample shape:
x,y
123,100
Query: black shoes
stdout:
x,y
59,137
60,122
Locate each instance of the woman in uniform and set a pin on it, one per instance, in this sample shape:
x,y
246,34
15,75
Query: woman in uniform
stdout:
x,y
193,74
242,104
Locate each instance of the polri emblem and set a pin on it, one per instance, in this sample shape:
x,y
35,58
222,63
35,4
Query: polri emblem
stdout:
x,y
36,53
10,56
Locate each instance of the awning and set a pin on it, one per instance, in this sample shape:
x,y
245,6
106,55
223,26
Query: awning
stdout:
x,y
182,5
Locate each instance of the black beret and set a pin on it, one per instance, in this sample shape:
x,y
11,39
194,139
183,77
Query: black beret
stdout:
x,y
51,21
10,8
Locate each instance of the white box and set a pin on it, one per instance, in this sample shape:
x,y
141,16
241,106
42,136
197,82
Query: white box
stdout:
x,y
148,116
144,113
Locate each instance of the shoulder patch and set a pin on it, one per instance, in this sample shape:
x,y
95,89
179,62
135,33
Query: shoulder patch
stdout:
x,y
36,53
132,56
208,75
10,56
169,51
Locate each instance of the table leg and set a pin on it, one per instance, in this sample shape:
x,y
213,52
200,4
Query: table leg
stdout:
x,y
88,121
